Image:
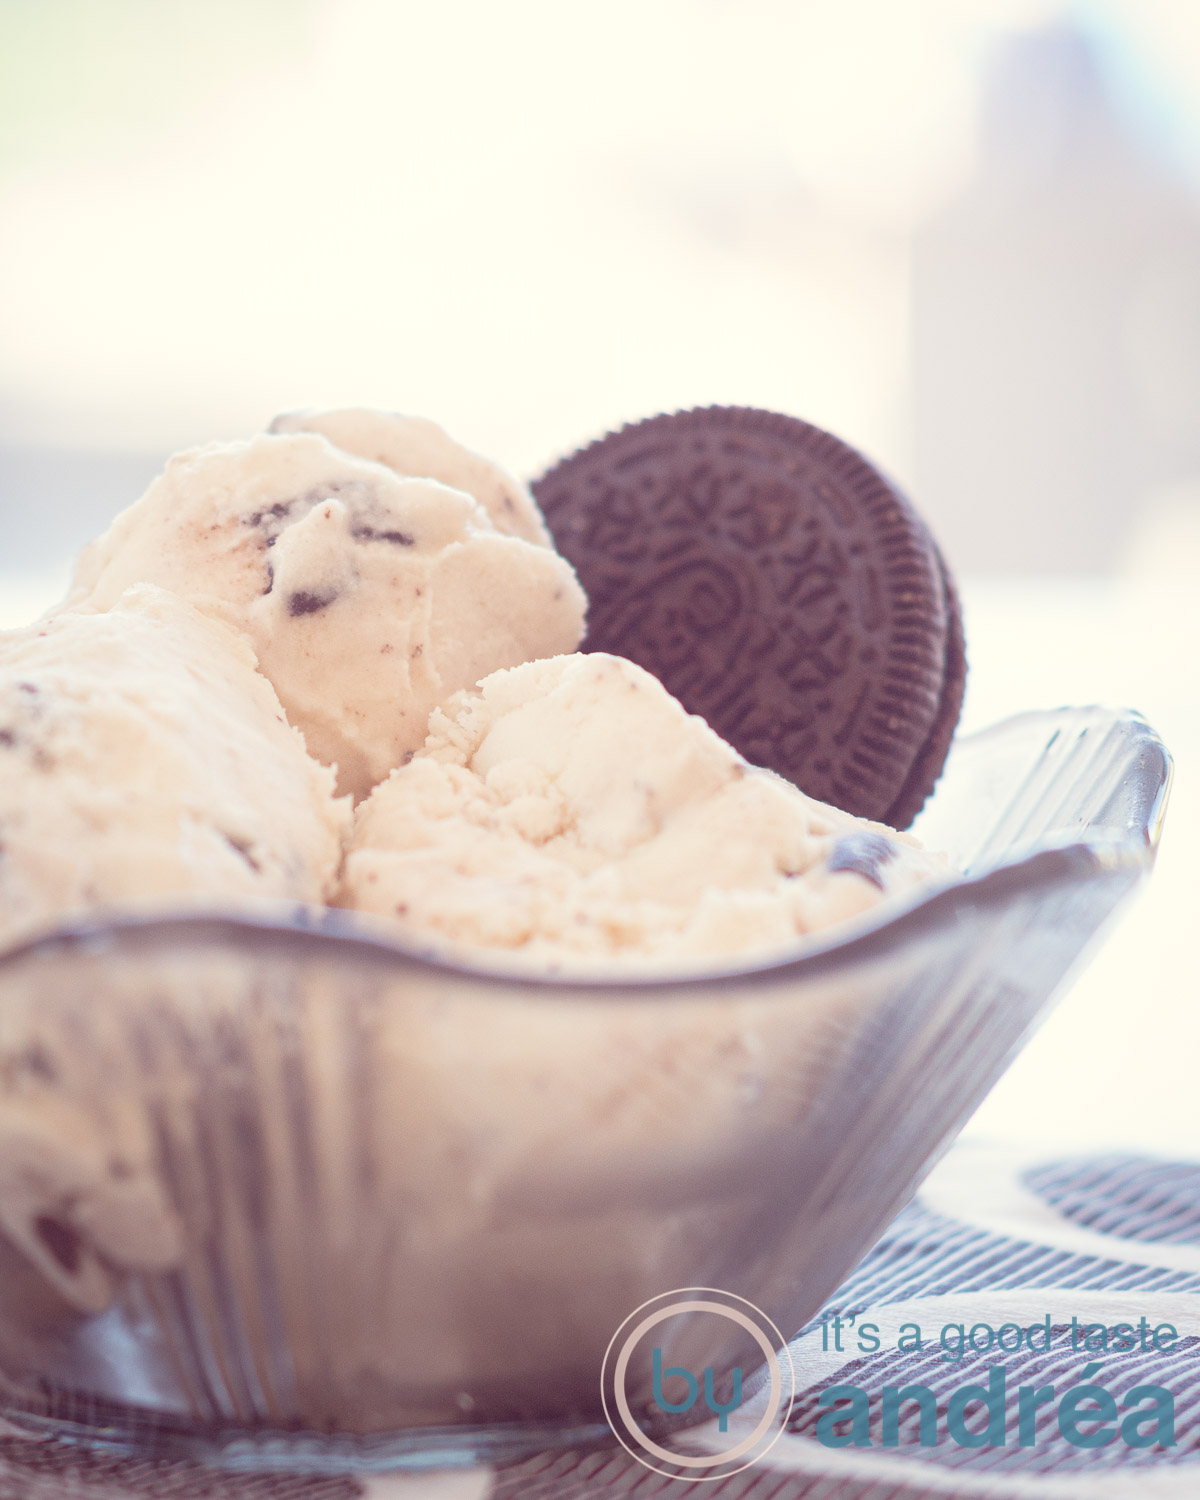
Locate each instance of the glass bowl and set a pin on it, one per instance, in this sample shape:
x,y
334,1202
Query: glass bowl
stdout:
x,y
284,1193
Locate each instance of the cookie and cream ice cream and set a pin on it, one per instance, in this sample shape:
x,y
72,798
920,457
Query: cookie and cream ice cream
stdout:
x,y
415,447
368,598
572,812
144,760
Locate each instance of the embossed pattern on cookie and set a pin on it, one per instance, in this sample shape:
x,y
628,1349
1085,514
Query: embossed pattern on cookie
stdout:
x,y
778,585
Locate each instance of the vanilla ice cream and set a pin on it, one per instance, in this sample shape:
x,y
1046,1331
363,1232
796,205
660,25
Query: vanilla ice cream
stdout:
x,y
368,598
143,760
572,811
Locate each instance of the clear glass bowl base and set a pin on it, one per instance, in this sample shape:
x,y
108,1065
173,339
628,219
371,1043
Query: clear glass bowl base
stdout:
x,y
128,1434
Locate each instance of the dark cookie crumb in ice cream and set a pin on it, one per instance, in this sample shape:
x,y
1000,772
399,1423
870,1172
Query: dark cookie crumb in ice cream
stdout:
x,y
365,533
308,604
862,854
276,512
243,849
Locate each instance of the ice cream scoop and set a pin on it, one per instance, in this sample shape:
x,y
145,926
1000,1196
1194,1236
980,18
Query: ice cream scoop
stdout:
x,y
572,812
369,598
416,447
144,760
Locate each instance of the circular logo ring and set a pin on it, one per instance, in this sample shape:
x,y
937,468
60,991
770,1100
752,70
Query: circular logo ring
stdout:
x,y
692,1304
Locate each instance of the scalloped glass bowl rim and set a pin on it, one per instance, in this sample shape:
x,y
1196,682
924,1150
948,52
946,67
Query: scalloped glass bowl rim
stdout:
x,y
1045,863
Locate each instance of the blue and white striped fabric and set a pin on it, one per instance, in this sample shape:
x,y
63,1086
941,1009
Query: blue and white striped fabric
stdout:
x,y
997,1237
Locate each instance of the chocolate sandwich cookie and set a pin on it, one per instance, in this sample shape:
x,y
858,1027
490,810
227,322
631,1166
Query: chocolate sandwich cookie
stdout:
x,y
780,586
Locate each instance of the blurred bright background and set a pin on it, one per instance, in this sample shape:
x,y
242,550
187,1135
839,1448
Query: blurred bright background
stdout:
x,y
963,234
